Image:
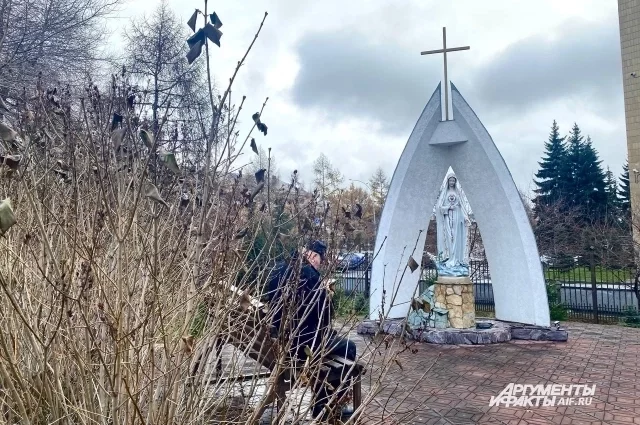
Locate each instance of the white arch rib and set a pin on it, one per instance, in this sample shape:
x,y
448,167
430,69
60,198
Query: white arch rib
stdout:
x,y
512,254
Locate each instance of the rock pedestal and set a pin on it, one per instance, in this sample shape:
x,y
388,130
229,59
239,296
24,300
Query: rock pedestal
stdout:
x,y
497,332
456,295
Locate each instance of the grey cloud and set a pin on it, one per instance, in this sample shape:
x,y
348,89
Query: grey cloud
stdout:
x,y
345,75
584,60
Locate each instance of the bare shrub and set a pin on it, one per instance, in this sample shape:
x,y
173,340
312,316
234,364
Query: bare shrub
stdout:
x,y
118,278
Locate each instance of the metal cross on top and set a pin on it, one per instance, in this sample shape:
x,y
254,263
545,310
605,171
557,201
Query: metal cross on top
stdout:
x,y
446,81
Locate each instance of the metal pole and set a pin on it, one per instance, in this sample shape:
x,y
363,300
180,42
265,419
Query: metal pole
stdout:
x,y
367,279
446,81
594,285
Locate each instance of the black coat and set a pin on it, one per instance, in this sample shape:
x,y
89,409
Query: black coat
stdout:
x,y
307,302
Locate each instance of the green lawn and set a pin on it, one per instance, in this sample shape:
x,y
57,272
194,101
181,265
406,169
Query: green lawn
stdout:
x,y
583,274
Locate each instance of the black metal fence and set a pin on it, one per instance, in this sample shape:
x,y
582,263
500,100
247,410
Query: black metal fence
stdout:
x,y
587,293
595,294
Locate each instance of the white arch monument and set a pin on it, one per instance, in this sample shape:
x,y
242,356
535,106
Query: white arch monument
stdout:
x,y
465,145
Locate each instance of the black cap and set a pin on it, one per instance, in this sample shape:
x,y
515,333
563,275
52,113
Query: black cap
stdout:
x,y
318,247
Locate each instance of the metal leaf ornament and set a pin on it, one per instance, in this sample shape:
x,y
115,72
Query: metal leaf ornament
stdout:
x,y
358,212
116,120
131,99
262,127
254,147
215,20
308,351
7,133
7,218
184,199
242,233
4,109
11,161
413,265
192,21
63,175
195,51
195,38
147,138
169,160
63,171
213,34
255,191
197,41
117,137
347,214
153,193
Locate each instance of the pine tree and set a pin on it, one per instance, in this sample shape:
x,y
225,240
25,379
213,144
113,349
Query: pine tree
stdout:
x,y
574,144
593,180
611,191
586,187
551,178
624,191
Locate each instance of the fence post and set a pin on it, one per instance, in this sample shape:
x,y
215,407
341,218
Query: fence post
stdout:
x,y
594,285
367,277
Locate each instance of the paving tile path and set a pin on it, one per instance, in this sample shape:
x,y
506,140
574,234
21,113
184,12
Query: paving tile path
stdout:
x,y
462,379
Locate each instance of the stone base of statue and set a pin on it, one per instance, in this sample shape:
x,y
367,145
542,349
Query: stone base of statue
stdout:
x,y
456,295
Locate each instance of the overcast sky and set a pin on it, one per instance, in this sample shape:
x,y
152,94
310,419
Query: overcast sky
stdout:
x,y
346,78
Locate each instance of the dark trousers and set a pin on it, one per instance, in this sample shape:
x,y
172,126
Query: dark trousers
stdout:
x,y
339,346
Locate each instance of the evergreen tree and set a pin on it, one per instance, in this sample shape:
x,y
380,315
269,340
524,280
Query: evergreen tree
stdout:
x,y
551,178
624,191
586,187
592,179
574,143
611,191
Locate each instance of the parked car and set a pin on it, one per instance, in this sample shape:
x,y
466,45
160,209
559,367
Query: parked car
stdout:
x,y
350,261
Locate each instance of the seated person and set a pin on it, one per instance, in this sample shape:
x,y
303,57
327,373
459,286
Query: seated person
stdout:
x,y
308,304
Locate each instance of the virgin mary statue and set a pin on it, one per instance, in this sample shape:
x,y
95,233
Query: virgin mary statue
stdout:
x,y
452,230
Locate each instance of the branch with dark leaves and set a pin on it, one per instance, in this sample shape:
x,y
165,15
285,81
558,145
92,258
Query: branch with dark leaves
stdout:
x,y
262,127
210,31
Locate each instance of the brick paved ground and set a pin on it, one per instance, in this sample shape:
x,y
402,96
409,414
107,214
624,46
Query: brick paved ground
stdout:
x,y
462,380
